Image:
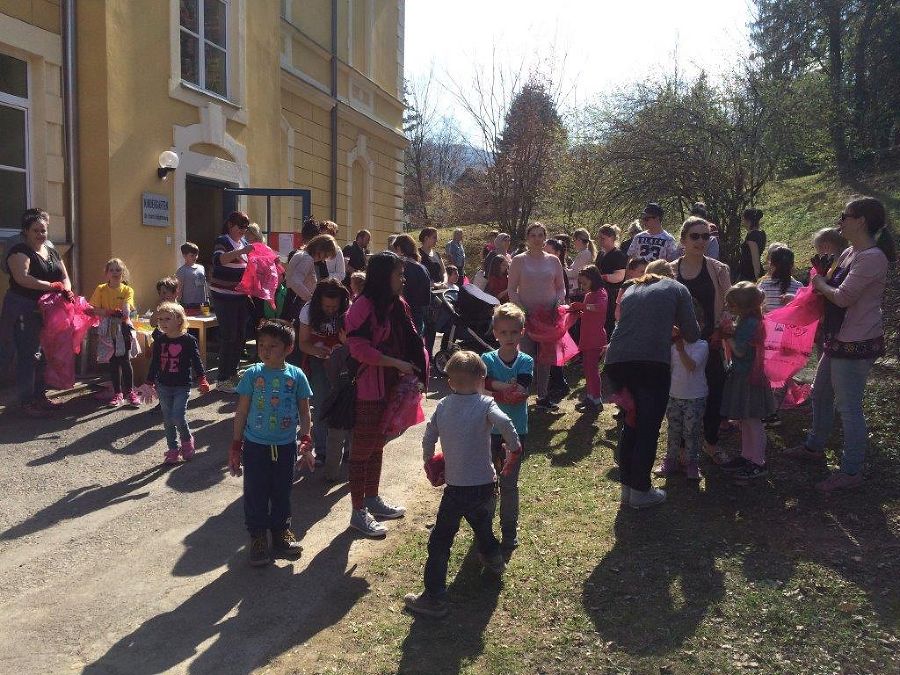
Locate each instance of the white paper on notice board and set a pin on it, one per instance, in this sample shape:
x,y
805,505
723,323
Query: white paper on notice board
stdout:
x,y
285,243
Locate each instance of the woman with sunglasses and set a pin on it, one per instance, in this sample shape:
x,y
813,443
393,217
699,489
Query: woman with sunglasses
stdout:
x,y
854,337
232,308
708,280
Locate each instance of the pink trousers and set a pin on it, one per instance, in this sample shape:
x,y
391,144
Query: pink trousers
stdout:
x,y
590,359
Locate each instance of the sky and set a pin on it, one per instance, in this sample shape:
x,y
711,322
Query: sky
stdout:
x,y
606,43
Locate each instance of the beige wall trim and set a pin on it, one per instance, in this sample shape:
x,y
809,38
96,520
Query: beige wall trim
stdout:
x,y
31,39
372,126
360,153
211,129
297,83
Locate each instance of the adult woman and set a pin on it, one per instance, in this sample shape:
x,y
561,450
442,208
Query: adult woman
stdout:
x,y
536,282
336,266
556,247
501,248
456,254
417,287
638,361
854,337
34,269
430,258
231,307
585,254
708,280
612,263
750,268
381,337
633,230
300,275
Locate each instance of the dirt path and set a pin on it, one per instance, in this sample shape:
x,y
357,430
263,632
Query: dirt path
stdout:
x,y
112,563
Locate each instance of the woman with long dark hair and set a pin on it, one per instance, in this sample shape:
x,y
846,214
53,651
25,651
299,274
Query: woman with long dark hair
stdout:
x,y
382,338
854,337
417,287
750,268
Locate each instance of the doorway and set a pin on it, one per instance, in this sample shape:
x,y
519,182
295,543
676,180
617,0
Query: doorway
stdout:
x,y
206,208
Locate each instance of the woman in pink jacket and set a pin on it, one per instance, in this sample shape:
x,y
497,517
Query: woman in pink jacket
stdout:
x,y
383,340
854,338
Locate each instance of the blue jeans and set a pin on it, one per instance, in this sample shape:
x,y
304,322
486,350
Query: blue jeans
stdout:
x,y
509,489
840,384
268,478
232,313
476,504
321,387
22,315
173,402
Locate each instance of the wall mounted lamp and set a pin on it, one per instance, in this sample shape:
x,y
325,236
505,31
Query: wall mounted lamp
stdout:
x,y
168,162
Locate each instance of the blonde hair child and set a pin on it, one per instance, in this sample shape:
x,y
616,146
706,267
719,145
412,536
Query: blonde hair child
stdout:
x,y
175,354
747,396
112,302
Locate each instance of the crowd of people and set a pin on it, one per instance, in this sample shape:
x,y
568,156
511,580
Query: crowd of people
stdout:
x,y
663,327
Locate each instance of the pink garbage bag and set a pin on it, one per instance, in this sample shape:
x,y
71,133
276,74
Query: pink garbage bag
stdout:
x,y
261,276
790,335
404,407
550,329
64,326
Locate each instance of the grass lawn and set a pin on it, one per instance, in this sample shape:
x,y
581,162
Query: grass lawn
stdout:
x,y
770,578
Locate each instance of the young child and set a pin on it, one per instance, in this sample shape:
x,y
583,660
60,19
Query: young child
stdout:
x,y
592,336
166,291
747,396
498,278
509,376
462,421
175,354
193,290
829,244
687,403
779,285
274,400
357,281
113,302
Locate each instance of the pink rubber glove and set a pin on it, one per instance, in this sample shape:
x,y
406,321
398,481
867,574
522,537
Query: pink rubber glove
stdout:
x,y
307,456
512,460
203,385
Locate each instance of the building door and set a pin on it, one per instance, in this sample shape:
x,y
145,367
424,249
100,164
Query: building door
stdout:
x,y
206,208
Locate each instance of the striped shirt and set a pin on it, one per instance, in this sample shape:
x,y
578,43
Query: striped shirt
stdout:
x,y
225,276
772,289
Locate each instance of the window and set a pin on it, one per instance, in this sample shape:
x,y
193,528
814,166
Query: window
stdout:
x,y
13,140
204,55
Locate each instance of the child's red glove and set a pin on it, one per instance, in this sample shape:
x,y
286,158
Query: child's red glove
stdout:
x,y
203,385
434,469
307,456
234,457
512,460
510,396
57,286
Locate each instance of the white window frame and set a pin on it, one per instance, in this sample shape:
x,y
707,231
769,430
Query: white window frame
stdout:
x,y
203,42
233,106
24,104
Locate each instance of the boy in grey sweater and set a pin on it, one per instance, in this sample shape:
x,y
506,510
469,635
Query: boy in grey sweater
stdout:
x,y
463,422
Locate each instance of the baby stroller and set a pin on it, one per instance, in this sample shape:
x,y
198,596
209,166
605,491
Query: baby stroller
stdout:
x,y
469,320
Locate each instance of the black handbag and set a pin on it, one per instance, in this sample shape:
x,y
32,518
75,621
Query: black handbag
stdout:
x,y
339,407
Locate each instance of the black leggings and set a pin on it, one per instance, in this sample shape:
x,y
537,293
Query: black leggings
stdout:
x,y
715,379
120,371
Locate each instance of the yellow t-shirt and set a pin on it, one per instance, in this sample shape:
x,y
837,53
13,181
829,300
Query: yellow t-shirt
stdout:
x,y
105,297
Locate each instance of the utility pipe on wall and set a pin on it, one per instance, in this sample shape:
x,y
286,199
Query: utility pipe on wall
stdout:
x,y
70,130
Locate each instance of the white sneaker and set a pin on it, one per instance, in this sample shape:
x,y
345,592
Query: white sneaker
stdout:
x,y
643,500
363,521
381,509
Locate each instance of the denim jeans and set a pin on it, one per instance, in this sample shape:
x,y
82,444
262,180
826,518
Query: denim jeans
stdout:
x,y
321,387
840,384
232,313
648,382
26,324
541,370
475,503
268,478
509,489
173,403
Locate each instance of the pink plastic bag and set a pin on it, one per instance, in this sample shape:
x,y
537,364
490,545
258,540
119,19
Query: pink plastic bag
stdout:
x,y
261,276
550,329
404,407
65,325
795,394
790,334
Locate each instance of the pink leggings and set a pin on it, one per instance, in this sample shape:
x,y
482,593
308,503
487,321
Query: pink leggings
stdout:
x,y
753,441
590,359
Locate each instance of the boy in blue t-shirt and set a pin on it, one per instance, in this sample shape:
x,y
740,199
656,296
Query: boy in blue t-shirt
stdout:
x,y
509,375
274,399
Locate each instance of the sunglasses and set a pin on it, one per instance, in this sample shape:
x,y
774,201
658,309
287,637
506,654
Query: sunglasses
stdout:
x,y
845,215
696,236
